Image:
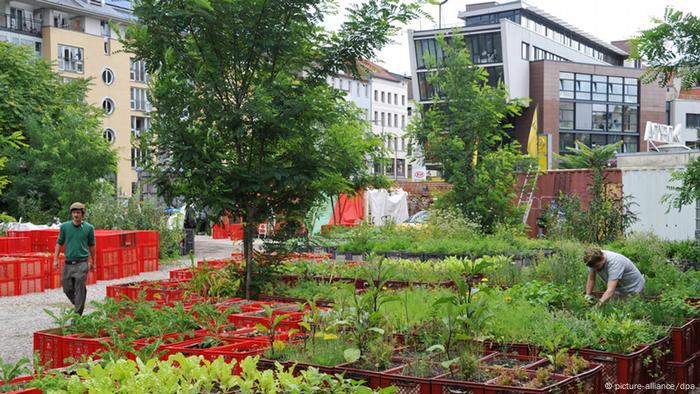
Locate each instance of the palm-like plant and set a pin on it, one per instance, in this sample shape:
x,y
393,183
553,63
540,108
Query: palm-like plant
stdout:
x,y
584,157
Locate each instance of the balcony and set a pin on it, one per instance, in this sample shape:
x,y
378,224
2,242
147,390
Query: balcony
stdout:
x,y
20,25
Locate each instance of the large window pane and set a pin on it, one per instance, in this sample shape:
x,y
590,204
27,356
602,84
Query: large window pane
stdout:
x,y
566,116
615,89
566,141
598,140
495,75
584,138
630,119
598,117
692,121
614,117
631,144
486,48
583,116
583,86
599,88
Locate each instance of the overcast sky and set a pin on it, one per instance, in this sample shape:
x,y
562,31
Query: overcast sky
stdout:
x,y
608,20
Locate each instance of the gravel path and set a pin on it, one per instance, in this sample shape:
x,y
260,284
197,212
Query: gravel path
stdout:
x,y
21,316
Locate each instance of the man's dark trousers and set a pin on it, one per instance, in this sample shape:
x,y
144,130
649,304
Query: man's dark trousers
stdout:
x,y
73,281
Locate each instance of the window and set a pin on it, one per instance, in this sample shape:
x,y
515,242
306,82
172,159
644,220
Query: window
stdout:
x,y
109,135
358,89
383,118
599,116
388,121
376,117
599,88
139,100
583,116
376,95
403,120
139,124
614,118
486,48
138,71
366,90
631,90
105,46
107,76
400,166
383,97
692,121
403,144
403,99
598,140
525,51
630,119
566,85
396,120
631,144
583,86
615,89
566,141
70,59
566,116
108,106
105,29
396,98
388,99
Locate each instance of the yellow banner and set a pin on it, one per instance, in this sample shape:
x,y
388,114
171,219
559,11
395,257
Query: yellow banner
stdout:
x,y
542,152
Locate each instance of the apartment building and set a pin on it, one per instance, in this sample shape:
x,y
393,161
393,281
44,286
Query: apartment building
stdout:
x,y
584,88
77,37
384,97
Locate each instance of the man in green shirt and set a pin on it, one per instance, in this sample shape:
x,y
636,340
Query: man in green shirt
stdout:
x,y
79,238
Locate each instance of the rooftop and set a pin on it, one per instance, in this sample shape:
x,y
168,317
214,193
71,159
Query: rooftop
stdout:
x,y
490,7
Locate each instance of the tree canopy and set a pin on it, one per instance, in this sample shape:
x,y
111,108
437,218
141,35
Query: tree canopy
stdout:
x,y
65,158
671,49
465,130
245,120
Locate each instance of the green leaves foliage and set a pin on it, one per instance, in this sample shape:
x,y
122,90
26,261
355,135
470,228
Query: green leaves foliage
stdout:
x,y
66,156
464,129
671,49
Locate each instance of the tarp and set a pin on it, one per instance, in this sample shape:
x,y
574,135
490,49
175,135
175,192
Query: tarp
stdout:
x,y
348,210
385,205
323,216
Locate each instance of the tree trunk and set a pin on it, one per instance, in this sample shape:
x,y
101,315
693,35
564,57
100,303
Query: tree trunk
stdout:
x,y
248,233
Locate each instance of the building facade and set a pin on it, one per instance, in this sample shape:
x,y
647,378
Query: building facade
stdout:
x,y
76,37
583,88
384,100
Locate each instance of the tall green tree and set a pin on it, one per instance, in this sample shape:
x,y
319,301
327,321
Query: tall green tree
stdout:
x,y
465,130
245,120
66,157
671,49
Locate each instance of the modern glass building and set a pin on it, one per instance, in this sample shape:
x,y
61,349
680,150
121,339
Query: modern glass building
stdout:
x,y
580,84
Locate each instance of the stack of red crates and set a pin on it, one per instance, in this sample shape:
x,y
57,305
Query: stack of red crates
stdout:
x,y
21,275
147,244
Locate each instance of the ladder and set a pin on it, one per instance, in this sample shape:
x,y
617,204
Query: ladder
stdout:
x,y
529,193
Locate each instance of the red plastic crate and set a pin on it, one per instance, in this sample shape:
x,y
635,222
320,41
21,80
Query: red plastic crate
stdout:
x,y
8,278
641,367
219,232
49,345
236,232
107,264
11,245
79,348
20,380
685,340
147,245
181,274
128,262
31,276
685,374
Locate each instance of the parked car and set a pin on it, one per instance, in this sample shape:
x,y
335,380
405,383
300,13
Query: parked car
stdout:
x,y
418,218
